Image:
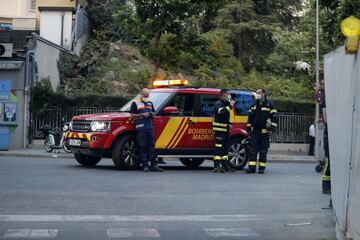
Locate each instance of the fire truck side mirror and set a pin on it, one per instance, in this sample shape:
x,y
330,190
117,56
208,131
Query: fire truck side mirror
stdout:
x,y
170,111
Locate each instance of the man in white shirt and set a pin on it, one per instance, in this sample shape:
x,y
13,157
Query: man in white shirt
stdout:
x,y
312,139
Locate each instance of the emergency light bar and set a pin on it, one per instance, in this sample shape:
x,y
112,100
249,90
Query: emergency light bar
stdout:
x,y
170,83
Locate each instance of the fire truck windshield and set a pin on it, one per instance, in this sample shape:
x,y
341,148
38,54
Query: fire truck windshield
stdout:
x,y
156,97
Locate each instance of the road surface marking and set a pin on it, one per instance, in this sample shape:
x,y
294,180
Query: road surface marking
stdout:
x,y
31,233
135,218
230,232
132,232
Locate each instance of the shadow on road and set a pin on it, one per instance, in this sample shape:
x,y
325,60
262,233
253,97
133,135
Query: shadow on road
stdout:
x,y
112,168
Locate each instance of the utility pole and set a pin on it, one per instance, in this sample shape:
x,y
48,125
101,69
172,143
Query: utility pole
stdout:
x,y
317,107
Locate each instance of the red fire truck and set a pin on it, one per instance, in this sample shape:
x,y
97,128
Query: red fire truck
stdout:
x,y
182,125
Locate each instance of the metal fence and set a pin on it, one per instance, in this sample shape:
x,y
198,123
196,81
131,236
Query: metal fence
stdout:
x,y
293,128
54,117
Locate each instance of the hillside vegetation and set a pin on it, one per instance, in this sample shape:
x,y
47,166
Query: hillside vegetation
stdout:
x,y
243,44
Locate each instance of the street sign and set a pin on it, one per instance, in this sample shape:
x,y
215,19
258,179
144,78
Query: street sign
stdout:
x,y
11,65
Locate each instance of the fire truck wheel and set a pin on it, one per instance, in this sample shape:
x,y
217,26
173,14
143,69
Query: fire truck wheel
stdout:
x,y
86,160
192,162
238,156
125,155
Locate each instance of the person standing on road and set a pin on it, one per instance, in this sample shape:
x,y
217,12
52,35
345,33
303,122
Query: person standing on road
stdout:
x,y
222,127
312,139
262,122
326,177
142,110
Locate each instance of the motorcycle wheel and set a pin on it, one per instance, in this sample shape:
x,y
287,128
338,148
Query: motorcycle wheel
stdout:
x,y
66,148
47,145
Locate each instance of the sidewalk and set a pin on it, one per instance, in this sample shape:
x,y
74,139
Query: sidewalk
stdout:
x,y
39,152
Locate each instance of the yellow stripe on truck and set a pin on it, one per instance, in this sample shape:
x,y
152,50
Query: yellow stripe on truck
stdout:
x,y
181,135
179,131
168,132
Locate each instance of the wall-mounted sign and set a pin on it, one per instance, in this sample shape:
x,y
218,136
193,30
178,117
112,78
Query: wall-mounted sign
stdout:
x,y
11,64
5,89
10,112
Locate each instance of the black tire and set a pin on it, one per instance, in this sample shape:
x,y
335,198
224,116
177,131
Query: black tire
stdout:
x,y
192,162
125,154
86,160
238,155
319,168
47,145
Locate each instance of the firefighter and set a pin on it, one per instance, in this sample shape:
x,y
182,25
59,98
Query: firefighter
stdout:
x,y
142,110
221,127
262,122
326,178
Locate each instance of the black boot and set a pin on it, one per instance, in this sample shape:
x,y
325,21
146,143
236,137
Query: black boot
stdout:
x,y
217,167
228,166
161,161
216,163
251,170
155,168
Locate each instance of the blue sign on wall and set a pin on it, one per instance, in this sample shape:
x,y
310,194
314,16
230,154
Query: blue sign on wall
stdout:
x,y
5,89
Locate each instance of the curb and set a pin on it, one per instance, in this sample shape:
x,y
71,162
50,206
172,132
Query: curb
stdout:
x,y
36,155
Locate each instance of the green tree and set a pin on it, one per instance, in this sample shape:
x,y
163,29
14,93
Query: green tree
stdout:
x,y
333,13
249,24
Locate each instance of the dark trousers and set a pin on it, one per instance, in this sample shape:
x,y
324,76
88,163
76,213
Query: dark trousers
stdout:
x,y
146,146
326,176
221,146
259,144
312,145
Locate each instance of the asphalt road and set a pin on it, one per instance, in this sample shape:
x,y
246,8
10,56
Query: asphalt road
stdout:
x,y
58,199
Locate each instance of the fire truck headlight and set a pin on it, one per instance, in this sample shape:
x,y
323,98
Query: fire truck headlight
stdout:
x,y
100,126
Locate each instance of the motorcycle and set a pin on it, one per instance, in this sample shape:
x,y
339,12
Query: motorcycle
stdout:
x,y
56,138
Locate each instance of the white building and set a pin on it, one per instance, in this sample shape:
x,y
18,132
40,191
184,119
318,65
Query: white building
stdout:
x,y
56,25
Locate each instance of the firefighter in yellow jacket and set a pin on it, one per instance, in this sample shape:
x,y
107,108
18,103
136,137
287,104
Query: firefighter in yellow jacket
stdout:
x,y
222,127
261,123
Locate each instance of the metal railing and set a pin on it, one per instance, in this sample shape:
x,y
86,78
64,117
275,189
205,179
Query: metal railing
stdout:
x,y
54,116
293,128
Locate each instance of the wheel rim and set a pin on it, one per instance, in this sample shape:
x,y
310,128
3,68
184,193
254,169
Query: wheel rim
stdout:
x,y
130,153
237,154
48,145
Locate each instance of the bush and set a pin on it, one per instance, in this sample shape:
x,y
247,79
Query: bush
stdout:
x,y
292,105
43,96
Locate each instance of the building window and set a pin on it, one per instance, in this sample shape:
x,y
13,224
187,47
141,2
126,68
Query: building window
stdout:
x,y
33,5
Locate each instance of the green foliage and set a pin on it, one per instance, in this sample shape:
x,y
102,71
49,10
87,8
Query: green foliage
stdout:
x,y
41,92
230,43
332,14
293,105
43,96
66,65
250,25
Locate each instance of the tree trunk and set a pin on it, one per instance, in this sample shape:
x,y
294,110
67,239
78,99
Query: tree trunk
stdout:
x,y
240,50
158,37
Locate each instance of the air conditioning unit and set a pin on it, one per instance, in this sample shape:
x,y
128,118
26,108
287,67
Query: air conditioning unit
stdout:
x,y
6,50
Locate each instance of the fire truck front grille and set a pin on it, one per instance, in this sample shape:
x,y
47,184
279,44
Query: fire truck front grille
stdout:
x,y
81,126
